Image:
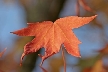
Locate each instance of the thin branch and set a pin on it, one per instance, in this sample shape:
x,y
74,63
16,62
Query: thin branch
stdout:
x,y
63,56
77,8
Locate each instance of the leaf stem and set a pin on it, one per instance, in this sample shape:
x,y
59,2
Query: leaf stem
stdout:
x,y
63,56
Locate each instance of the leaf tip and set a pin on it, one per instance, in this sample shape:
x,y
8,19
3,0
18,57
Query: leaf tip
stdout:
x,y
28,23
11,32
78,56
94,16
5,49
22,59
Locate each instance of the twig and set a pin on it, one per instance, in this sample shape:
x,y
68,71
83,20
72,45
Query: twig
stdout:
x,y
77,8
63,56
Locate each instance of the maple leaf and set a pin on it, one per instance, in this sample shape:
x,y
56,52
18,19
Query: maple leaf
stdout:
x,y
51,35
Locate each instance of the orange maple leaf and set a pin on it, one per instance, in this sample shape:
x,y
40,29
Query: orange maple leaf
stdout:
x,y
51,35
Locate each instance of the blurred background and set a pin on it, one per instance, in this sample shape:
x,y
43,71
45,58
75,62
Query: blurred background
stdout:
x,y
14,15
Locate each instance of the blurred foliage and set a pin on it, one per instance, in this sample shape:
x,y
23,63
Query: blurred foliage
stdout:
x,y
41,10
95,64
97,67
104,51
1,53
55,64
